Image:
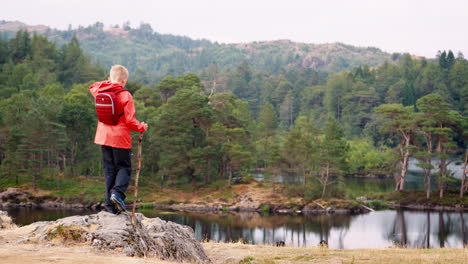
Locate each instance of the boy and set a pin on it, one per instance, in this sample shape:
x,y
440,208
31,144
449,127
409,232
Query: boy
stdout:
x,y
115,140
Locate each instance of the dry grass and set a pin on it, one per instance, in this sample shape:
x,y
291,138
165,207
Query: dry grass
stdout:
x,y
12,252
264,193
219,252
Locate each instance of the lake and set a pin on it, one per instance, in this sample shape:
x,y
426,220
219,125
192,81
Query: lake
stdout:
x,y
359,186
415,229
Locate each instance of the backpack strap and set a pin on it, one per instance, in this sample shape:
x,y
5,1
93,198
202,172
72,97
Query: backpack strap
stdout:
x,y
119,91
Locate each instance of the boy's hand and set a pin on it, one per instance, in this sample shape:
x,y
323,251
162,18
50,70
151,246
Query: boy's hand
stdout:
x,y
145,126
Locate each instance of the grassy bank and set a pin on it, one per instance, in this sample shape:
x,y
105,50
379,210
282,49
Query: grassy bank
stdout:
x,y
247,254
253,193
410,197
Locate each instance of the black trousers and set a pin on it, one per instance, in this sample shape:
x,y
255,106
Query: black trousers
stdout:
x,y
117,170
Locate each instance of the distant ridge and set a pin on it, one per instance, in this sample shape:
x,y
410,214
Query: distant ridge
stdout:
x,y
153,55
13,26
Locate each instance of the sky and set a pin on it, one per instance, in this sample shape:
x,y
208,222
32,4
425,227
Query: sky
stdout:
x,y
420,27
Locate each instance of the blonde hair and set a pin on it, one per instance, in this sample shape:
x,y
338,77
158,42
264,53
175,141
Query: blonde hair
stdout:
x,y
118,73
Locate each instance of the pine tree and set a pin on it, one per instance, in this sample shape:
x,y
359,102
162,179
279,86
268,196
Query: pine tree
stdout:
x,y
444,123
398,119
332,152
20,46
443,60
181,129
450,59
408,94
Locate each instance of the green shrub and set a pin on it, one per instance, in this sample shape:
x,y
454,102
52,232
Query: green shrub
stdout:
x,y
265,208
146,205
377,205
247,260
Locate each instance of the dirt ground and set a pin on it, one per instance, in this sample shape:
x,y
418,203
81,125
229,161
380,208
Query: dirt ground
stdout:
x,y
14,252
11,251
250,195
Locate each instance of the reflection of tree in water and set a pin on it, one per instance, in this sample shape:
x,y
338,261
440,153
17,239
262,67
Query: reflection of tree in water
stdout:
x,y
464,231
398,232
441,227
25,215
442,234
415,229
424,239
273,228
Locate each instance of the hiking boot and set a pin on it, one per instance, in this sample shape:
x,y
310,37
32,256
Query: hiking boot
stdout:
x,y
119,203
113,211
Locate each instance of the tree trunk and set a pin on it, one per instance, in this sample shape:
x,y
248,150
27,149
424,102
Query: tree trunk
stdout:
x,y
207,173
463,176
194,182
304,175
427,171
230,175
428,231
442,232
404,166
442,168
397,181
72,157
404,234
49,163
428,187
58,181
325,182
463,231
64,160
34,174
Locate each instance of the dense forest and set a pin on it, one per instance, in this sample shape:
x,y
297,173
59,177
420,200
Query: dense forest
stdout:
x,y
151,56
220,123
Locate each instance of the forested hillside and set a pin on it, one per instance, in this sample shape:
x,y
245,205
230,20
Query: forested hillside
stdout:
x,y
298,122
151,56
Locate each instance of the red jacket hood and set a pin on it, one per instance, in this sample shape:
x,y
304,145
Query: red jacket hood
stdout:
x,y
106,86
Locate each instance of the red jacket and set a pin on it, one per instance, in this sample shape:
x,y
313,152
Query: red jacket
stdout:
x,y
117,136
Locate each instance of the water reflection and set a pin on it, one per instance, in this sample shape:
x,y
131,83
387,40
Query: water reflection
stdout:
x,y
414,179
374,230
428,229
415,229
25,216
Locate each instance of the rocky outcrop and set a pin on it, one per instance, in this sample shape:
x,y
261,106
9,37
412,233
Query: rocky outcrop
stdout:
x,y
149,237
5,221
13,197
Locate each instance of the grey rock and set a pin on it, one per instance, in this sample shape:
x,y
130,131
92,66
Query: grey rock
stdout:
x,y
149,237
97,242
23,240
14,195
170,237
5,221
285,211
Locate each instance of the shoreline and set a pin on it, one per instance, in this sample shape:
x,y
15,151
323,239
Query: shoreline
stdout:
x,y
191,208
22,245
14,198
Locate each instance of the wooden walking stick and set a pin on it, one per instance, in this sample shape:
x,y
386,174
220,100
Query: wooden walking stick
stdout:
x,y
140,138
